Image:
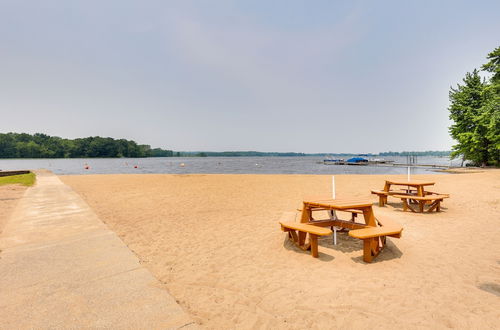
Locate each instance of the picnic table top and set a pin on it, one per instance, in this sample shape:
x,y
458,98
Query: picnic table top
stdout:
x,y
339,203
410,183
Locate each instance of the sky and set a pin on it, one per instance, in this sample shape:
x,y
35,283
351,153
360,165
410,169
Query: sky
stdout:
x,y
281,75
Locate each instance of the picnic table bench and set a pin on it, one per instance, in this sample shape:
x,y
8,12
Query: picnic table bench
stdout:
x,y
434,200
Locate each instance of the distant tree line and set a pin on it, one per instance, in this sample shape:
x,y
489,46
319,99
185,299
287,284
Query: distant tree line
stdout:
x,y
299,154
22,145
416,153
239,154
475,112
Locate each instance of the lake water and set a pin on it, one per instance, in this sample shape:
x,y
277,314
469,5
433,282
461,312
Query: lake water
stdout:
x,y
234,165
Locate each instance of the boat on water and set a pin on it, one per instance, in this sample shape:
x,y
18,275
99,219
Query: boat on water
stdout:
x,y
341,161
357,161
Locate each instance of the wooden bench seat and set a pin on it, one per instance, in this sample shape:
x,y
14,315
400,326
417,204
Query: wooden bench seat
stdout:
x,y
374,238
433,199
376,232
314,231
306,228
382,194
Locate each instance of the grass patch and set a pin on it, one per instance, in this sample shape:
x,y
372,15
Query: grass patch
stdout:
x,y
24,179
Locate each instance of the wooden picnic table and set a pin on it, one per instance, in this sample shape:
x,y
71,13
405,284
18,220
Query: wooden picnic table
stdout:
x,y
373,231
418,185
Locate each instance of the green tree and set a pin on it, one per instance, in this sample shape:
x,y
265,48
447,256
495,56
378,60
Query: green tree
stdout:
x,y
22,145
493,66
470,127
7,146
492,109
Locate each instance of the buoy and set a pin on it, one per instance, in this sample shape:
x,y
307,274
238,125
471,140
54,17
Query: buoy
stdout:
x,y
86,167
182,165
135,166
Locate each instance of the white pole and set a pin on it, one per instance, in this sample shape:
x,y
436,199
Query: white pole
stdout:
x,y
333,186
333,214
408,173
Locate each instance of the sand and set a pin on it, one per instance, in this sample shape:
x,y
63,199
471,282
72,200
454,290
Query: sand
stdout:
x,y
9,196
215,243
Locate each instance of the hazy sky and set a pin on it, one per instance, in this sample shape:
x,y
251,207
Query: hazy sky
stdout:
x,y
304,76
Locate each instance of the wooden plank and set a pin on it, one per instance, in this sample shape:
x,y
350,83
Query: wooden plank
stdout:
x,y
422,198
10,173
340,205
334,202
410,183
375,232
307,228
380,192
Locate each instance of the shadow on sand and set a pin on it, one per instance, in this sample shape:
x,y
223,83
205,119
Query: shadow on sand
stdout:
x,y
346,244
490,287
289,245
398,207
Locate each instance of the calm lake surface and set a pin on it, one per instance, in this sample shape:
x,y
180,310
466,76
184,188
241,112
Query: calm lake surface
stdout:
x,y
217,165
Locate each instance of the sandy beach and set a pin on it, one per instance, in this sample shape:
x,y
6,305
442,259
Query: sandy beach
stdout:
x,y
215,244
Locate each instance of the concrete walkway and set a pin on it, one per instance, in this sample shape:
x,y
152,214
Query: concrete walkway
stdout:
x,y
61,267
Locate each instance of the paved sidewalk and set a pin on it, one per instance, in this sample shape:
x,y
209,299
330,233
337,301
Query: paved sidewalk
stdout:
x,y
61,267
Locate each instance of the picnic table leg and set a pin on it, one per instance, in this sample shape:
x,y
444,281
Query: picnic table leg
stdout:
x,y
421,206
305,218
435,205
367,250
407,205
314,245
306,214
353,216
369,216
372,247
302,238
